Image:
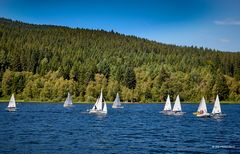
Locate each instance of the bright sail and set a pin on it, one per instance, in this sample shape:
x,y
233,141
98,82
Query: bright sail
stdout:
x,y
167,106
100,106
217,107
94,107
202,108
117,103
68,101
105,108
177,105
12,102
99,103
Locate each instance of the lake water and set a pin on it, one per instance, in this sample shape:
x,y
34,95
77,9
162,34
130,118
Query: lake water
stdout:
x,y
138,128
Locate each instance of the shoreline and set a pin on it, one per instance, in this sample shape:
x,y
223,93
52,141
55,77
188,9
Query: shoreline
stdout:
x,y
51,102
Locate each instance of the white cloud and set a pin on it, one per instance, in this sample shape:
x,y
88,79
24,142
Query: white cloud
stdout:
x,y
225,40
230,22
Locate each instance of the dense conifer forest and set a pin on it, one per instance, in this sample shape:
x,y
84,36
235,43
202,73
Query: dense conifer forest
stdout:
x,y
44,62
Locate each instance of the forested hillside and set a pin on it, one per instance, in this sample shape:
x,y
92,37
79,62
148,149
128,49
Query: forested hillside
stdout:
x,y
43,62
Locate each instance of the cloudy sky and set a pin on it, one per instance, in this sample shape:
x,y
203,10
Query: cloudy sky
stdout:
x,y
203,23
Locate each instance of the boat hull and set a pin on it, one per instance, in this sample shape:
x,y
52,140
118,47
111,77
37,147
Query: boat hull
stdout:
x,y
166,112
117,107
67,106
173,113
97,112
217,115
178,113
195,113
11,109
205,115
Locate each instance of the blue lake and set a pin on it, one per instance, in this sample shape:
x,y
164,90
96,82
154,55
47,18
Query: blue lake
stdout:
x,y
138,128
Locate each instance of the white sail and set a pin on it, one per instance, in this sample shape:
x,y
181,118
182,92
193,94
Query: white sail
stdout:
x,y
99,103
100,106
199,106
94,107
202,106
12,102
68,101
167,106
116,103
216,107
105,107
177,105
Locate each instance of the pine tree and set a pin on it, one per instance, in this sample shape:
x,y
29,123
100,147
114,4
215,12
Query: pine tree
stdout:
x,y
220,87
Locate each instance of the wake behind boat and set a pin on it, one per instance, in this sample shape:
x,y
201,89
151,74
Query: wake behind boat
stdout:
x,y
11,104
202,109
117,103
100,107
68,102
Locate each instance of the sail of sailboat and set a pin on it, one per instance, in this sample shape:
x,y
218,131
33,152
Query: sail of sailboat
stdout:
x,y
68,101
100,107
168,106
202,109
217,107
117,103
177,105
12,104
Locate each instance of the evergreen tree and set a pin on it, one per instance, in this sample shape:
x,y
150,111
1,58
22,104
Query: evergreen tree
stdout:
x,y
42,62
220,87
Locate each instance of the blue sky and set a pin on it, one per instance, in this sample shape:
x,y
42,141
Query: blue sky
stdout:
x,y
203,23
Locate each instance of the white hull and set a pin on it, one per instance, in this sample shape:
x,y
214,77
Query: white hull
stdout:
x,y
117,107
217,115
97,111
178,113
11,109
67,106
174,113
166,112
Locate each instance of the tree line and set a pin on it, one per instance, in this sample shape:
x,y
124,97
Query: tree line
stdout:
x,y
44,62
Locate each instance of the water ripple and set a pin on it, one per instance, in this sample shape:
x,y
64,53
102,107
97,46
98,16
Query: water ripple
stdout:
x,y
49,128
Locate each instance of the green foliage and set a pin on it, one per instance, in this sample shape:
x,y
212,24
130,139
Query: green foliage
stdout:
x,y
234,89
7,83
40,62
112,89
14,82
220,86
94,87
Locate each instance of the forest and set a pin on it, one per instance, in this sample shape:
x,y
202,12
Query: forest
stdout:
x,y
44,62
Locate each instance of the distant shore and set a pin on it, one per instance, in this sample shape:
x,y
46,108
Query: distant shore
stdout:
x,y
75,102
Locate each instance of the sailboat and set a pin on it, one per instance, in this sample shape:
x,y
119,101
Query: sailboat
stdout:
x,y
12,104
167,108
177,109
202,109
216,108
100,107
117,103
68,101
